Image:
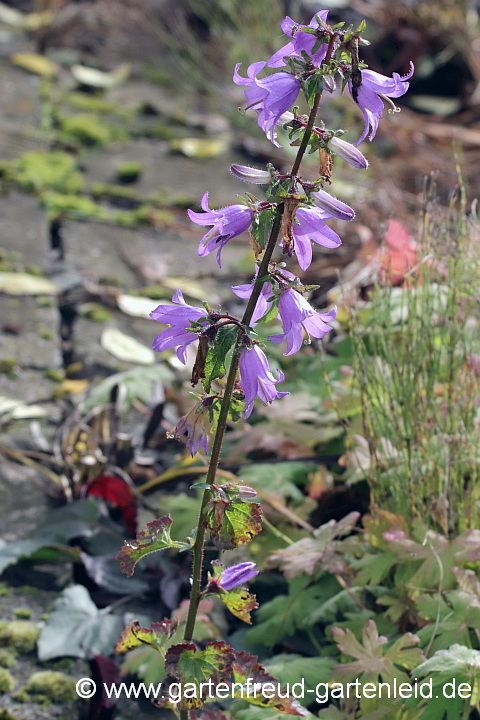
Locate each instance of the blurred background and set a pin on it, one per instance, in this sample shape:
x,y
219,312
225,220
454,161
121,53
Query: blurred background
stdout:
x,y
115,117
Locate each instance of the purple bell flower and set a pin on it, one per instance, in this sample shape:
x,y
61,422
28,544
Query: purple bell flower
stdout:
x,y
348,152
271,96
244,292
300,41
178,318
310,227
256,378
298,316
236,575
228,222
369,100
330,204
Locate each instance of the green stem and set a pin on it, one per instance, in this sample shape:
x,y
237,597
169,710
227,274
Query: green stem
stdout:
x,y
198,549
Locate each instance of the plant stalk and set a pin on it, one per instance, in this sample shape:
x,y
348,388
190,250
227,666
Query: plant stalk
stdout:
x,y
198,549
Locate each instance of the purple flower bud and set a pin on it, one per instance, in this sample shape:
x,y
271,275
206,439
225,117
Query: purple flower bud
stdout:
x,y
236,575
245,492
196,425
330,204
250,175
348,152
329,83
300,42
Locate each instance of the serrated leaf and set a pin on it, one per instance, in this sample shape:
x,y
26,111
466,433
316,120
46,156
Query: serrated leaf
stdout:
x,y
247,669
372,663
290,668
262,226
436,550
135,635
217,353
321,551
457,611
155,537
194,667
234,523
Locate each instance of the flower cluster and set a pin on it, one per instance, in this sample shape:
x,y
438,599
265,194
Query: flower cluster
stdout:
x,y
313,55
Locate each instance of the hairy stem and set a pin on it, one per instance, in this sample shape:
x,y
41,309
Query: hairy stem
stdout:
x,y
198,549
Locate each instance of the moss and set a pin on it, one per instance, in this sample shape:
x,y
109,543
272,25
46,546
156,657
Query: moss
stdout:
x,y
85,127
55,375
45,332
4,589
116,193
20,634
56,686
7,658
7,681
45,301
36,170
28,590
95,312
21,696
156,292
159,131
7,715
129,172
7,366
23,613
35,270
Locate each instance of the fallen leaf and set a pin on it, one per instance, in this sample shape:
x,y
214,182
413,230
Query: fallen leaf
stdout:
x,y
198,148
126,348
138,306
14,283
98,78
36,64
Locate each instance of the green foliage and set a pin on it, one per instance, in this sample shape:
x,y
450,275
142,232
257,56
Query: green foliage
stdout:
x,y
35,171
20,634
234,523
7,681
217,353
155,537
56,686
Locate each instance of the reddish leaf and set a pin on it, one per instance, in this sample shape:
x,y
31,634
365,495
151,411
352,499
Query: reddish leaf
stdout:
x,y
135,636
155,537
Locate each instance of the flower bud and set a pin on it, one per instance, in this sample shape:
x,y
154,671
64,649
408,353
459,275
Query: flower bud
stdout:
x,y
251,175
348,152
329,83
236,575
245,492
330,204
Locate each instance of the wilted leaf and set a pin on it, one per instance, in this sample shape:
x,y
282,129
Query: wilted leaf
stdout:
x,y
36,64
372,663
323,550
135,635
469,583
234,523
25,21
17,410
199,148
192,666
154,538
98,78
247,669
126,348
141,383
77,628
18,283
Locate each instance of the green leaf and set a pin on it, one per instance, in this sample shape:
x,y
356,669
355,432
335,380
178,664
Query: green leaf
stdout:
x,y
457,611
262,226
459,664
247,669
234,523
135,635
313,86
372,663
322,550
281,478
192,667
217,353
77,628
155,537
291,669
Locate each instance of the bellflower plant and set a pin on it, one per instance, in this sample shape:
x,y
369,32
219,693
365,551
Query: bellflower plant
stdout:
x,y
231,362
